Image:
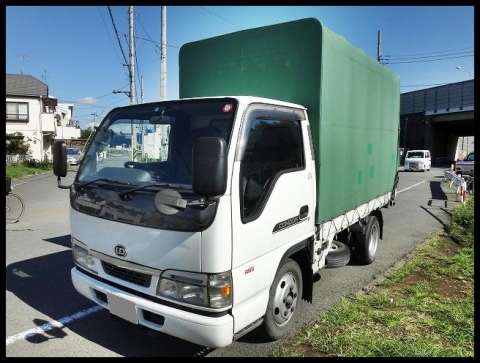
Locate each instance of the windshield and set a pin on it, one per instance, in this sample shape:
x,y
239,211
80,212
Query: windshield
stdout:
x,y
152,143
71,151
415,154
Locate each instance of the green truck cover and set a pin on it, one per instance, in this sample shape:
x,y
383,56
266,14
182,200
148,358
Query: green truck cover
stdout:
x,y
351,100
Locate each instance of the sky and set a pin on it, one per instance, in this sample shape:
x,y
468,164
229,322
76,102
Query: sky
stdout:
x,y
75,51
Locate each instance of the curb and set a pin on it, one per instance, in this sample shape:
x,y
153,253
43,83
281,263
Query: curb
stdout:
x,y
27,178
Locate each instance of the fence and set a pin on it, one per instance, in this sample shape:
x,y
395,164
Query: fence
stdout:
x,y
16,159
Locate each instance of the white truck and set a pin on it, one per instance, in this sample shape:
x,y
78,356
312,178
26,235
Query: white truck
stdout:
x,y
418,160
226,232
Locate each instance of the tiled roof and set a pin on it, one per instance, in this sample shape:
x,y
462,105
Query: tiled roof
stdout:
x,y
24,85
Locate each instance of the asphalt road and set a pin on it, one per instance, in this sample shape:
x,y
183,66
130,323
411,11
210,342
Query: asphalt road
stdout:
x,y
45,316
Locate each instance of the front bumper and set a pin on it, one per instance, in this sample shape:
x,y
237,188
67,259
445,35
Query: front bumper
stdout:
x,y
204,330
414,167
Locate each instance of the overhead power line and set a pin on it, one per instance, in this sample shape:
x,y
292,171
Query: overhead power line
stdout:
x,y
156,43
218,16
438,52
144,32
95,97
430,60
116,33
387,57
109,35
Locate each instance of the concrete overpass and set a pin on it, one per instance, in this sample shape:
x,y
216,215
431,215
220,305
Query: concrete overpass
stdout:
x,y
434,119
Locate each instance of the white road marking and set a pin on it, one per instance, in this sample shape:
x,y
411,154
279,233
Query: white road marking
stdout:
x,y
410,187
53,324
31,179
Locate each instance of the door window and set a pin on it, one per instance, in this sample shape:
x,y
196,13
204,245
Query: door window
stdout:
x,y
273,147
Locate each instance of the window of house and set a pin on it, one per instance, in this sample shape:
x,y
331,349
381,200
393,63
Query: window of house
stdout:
x,y
273,146
17,111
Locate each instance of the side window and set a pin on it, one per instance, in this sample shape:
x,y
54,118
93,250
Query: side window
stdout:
x,y
273,146
470,157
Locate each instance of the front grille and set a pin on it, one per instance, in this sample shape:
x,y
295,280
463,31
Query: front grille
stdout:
x,y
128,275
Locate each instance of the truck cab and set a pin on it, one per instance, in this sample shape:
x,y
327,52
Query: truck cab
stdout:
x,y
162,238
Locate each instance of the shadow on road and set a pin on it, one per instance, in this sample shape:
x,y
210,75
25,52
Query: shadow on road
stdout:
x,y
60,240
436,191
44,284
54,333
434,214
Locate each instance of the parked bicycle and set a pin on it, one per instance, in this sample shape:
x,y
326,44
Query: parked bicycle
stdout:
x,y
14,204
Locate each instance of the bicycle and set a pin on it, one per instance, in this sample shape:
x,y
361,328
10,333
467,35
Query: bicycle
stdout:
x,y
14,204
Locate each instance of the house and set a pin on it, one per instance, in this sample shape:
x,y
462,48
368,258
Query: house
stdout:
x,y
66,127
37,116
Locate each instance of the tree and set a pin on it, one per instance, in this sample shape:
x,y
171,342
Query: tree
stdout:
x,y
16,145
85,133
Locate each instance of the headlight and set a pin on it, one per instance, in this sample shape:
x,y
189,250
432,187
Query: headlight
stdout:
x,y
213,290
82,257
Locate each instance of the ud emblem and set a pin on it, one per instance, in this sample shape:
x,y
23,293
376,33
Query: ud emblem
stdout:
x,y
120,251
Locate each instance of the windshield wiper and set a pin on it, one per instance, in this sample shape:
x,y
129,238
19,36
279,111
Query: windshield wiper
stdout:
x,y
105,180
146,186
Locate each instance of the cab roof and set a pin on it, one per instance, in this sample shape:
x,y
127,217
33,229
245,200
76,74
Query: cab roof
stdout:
x,y
242,99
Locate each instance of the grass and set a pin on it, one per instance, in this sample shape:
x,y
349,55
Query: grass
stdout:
x,y
24,169
423,308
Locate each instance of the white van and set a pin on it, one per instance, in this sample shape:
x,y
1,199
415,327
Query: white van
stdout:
x,y
418,160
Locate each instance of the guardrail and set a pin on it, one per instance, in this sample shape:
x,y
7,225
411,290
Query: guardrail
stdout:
x,y
459,182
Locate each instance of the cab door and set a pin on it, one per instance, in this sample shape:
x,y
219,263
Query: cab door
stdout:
x,y
272,199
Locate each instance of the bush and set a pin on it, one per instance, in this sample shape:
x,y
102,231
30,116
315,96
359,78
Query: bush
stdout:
x,y
38,164
461,228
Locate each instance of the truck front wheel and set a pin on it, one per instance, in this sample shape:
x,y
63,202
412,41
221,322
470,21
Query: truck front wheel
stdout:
x,y
366,242
285,295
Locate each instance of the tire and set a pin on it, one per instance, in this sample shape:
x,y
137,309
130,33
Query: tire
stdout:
x,y
366,242
285,295
14,208
338,256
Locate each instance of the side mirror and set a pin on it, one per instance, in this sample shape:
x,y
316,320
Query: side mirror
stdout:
x,y
60,159
209,166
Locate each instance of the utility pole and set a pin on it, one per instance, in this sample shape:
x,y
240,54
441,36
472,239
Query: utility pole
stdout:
x,y
141,89
379,46
94,114
132,93
163,56
131,54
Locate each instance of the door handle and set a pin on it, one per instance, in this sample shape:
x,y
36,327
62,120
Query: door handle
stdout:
x,y
303,212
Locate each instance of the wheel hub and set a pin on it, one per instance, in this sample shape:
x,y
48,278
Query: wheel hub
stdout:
x,y
374,235
286,297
